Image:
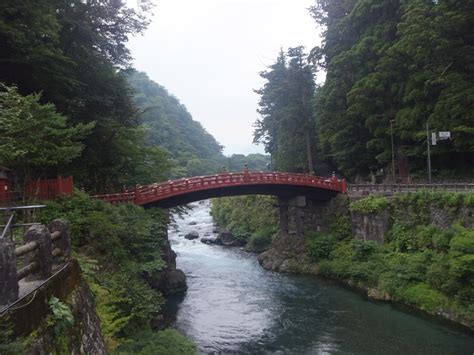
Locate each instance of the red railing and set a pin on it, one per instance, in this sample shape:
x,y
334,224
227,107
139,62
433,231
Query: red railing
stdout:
x,y
160,191
49,189
36,190
5,192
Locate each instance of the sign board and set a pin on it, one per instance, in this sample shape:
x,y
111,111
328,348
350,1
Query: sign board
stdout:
x,y
433,138
444,135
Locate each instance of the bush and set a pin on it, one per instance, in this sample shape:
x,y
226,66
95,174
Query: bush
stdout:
x,y
119,248
260,240
341,227
319,247
9,345
441,240
363,250
469,200
422,296
164,342
371,204
463,241
402,238
243,216
337,269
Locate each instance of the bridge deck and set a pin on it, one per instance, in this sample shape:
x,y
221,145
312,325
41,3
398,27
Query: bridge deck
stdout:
x,y
154,193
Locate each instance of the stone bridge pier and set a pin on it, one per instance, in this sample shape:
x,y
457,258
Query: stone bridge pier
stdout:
x,y
291,215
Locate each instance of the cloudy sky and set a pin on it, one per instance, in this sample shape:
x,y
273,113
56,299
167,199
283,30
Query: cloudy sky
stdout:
x,y
208,53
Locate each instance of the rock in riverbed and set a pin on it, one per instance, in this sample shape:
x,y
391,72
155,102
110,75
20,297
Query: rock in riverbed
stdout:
x,y
192,235
229,240
210,240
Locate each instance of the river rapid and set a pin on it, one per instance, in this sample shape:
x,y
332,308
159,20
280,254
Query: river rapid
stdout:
x,y
232,305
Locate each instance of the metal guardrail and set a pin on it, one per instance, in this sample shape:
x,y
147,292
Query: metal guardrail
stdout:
x,y
10,211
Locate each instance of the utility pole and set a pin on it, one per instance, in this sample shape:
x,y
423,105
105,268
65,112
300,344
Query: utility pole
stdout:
x,y
429,153
393,152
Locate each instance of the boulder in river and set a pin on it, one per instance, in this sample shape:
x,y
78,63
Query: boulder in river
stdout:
x,y
192,235
210,240
229,240
192,223
170,282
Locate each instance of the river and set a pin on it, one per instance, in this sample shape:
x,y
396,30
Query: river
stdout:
x,y
233,305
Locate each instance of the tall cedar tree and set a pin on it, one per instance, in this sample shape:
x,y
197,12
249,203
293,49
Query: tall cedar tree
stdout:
x,y
286,124
407,62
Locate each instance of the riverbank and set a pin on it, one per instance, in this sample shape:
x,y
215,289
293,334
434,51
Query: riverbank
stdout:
x,y
412,249
126,259
233,305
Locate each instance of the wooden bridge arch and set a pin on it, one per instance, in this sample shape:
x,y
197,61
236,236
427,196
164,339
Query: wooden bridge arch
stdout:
x,y
173,193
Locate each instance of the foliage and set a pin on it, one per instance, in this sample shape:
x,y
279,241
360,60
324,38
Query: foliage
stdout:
x,y
34,136
422,296
72,52
254,162
362,250
119,250
469,199
372,204
164,342
318,246
253,218
421,264
170,126
286,124
341,226
394,64
9,345
61,317
261,239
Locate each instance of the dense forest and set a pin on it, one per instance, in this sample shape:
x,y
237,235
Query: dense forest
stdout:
x,y
400,69
66,81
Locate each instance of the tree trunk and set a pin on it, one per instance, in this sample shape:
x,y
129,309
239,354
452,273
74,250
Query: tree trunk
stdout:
x,y
310,155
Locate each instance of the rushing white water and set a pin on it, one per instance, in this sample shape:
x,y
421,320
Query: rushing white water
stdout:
x,y
233,305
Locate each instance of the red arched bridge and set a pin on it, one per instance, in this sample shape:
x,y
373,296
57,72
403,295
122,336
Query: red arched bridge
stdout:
x,y
178,192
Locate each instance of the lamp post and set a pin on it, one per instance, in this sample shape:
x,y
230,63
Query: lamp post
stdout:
x,y
428,151
393,151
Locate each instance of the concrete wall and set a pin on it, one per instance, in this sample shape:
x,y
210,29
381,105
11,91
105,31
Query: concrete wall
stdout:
x,y
370,226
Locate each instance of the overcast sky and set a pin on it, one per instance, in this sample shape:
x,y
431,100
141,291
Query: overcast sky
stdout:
x,y
208,53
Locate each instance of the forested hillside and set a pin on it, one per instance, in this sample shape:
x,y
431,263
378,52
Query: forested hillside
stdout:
x,y
405,65
169,125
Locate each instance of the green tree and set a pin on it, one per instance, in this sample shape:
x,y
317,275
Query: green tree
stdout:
x,y
72,51
405,62
286,125
34,137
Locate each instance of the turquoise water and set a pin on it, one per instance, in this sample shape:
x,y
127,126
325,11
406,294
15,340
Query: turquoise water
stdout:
x,y
234,306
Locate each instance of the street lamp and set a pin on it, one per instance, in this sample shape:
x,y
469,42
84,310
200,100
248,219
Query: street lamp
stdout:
x,y
393,151
429,153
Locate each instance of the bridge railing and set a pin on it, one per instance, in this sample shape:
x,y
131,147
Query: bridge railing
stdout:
x,y
393,188
154,192
170,188
42,249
